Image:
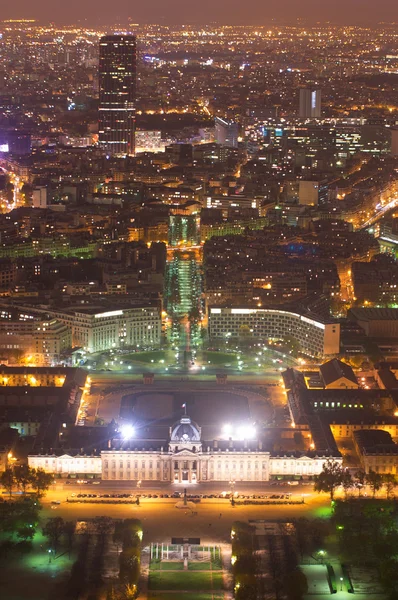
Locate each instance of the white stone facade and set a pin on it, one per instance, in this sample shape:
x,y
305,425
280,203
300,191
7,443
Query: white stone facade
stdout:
x,y
66,464
184,461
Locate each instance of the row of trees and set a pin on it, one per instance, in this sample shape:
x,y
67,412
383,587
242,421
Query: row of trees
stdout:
x,y
18,521
22,476
245,563
129,534
368,535
248,565
333,476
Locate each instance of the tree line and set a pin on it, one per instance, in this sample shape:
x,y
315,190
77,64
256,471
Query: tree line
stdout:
x,y
21,477
334,475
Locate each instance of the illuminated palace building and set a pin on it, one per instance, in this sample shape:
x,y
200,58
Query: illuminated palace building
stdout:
x,y
117,83
186,458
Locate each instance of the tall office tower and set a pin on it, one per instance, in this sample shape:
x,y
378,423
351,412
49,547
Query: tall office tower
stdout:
x,y
117,93
310,103
226,132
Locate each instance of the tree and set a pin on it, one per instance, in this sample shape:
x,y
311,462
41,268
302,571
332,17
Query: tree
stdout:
x,y
359,480
129,591
41,481
296,585
374,481
69,531
23,477
53,529
103,527
330,478
8,481
26,533
389,484
118,534
347,482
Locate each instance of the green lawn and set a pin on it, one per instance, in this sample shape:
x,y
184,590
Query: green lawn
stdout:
x,y
220,358
171,566
204,566
146,357
185,580
199,566
158,565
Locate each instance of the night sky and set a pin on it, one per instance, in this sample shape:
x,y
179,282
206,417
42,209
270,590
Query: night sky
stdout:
x,y
257,12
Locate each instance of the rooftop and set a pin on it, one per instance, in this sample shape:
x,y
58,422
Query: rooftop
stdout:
x,y
374,314
333,370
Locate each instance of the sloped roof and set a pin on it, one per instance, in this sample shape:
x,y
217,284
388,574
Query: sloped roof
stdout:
x,y
334,369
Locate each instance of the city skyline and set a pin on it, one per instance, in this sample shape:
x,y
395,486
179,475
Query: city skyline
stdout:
x,y
225,12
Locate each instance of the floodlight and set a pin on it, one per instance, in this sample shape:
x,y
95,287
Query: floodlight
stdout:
x,y
246,432
227,429
127,431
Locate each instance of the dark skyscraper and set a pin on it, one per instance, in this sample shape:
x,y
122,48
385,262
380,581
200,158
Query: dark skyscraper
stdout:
x,y
117,88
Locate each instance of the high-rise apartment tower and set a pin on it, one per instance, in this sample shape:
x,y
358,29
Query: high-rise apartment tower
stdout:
x,y
310,103
117,93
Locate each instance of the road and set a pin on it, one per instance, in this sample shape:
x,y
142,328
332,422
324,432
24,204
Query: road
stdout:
x,y
380,213
162,520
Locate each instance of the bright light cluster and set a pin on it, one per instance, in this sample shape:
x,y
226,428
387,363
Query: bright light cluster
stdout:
x,y
242,432
127,431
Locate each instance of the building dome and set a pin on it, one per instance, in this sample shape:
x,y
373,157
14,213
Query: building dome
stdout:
x,y
185,430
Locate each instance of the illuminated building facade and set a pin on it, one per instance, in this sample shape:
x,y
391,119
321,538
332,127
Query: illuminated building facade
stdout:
x,y
310,103
117,89
315,336
96,331
186,458
227,132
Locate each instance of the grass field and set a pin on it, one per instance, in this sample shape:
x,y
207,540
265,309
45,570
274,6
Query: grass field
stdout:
x,y
146,357
204,566
220,358
157,565
185,580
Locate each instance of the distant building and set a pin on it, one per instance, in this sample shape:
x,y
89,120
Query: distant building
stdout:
x,y
149,141
310,103
315,336
39,198
96,330
93,328
376,450
309,192
336,375
394,141
376,322
44,340
117,94
226,132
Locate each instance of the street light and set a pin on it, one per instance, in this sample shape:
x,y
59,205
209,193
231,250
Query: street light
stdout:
x,y
341,584
232,486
